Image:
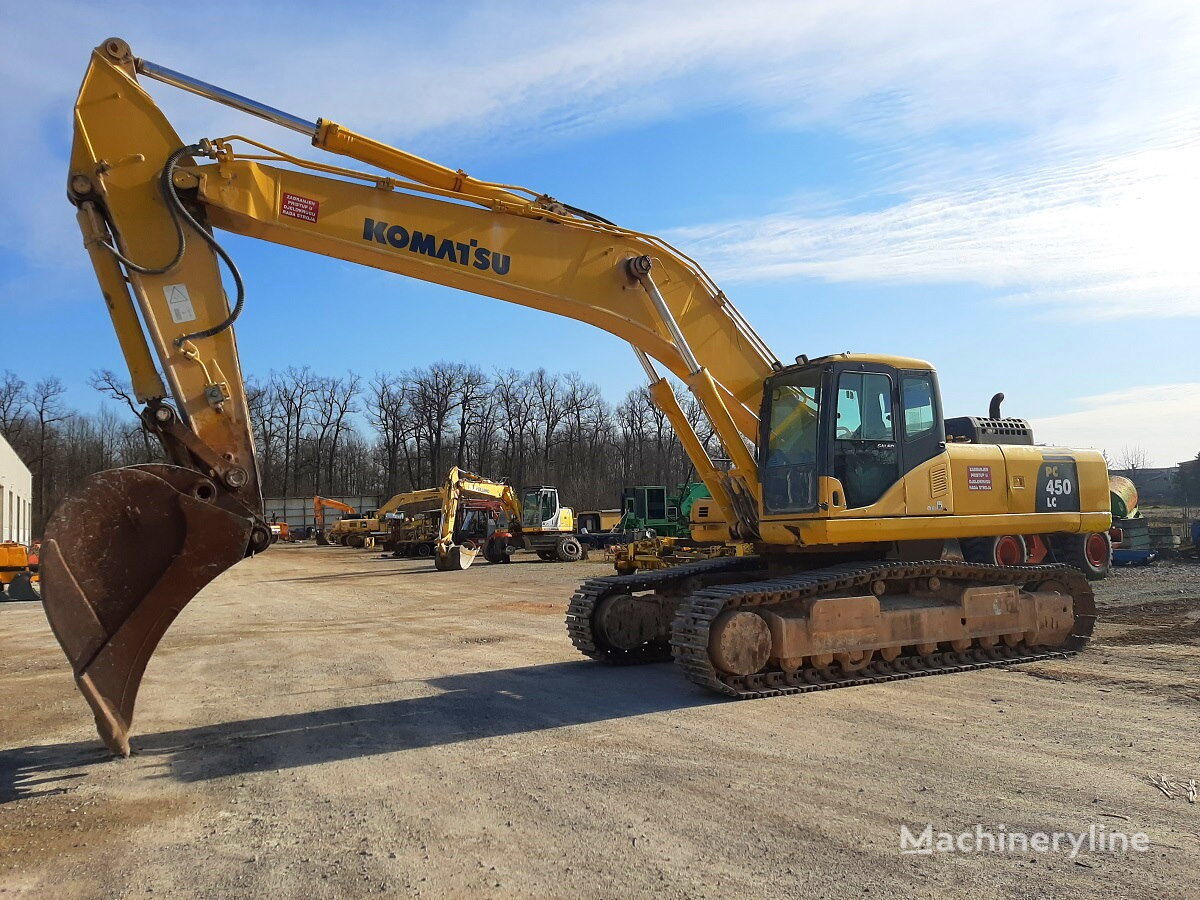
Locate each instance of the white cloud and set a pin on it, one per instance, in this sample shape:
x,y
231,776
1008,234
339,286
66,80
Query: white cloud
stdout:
x,y
1161,418
431,77
1101,239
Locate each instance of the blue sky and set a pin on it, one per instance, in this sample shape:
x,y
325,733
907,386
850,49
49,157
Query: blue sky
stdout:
x,y
1008,190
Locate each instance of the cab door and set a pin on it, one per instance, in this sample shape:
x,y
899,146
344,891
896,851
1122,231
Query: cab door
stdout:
x,y
865,457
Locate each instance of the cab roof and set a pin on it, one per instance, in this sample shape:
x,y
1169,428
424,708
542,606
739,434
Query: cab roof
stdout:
x,y
898,362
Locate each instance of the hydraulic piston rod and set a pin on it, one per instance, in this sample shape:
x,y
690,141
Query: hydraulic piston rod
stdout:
x,y
220,95
639,268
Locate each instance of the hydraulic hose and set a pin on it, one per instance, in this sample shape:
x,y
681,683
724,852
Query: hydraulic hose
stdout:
x,y
179,215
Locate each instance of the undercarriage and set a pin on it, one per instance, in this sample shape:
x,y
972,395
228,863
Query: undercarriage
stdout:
x,y
751,627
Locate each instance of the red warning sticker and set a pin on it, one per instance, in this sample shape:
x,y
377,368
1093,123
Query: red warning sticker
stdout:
x,y
979,478
297,207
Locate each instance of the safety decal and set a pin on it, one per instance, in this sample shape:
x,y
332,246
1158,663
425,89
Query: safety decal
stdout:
x,y
180,303
296,207
979,478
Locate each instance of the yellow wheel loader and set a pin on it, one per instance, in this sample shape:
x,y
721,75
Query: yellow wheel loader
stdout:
x,y
845,477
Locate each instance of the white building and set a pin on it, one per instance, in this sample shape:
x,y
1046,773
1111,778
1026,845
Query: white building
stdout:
x,y
16,491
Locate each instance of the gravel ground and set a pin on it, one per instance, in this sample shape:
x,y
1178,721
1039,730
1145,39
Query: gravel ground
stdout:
x,y
322,722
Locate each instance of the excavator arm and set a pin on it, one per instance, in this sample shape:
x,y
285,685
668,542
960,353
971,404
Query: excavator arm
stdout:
x,y
127,552
320,504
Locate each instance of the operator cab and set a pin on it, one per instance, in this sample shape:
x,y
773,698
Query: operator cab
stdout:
x,y
648,505
539,508
864,420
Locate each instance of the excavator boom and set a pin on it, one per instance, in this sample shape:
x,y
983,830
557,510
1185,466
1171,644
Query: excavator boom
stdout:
x,y
320,504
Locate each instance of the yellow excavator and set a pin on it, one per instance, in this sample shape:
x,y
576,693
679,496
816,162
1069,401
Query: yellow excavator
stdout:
x,y
537,521
458,492
844,476
429,522
365,530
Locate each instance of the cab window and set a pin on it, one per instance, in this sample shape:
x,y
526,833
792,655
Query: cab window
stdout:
x,y
865,457
789,468
537,508
916,392
864,410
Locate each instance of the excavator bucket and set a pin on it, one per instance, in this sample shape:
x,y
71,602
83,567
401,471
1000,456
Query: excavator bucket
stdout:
x,y
120,559
457,559
21,587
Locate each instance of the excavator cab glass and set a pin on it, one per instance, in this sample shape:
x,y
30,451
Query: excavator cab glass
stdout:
x,y
863,422
788,464
865,457
539,508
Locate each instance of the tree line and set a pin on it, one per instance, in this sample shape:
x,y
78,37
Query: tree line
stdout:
x,y
398,431
382,434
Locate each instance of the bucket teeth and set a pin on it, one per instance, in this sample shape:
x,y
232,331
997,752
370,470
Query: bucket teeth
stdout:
x,y
121,558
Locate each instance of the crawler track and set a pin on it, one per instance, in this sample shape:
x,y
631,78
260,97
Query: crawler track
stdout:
x,y
698,610
690,632
591,592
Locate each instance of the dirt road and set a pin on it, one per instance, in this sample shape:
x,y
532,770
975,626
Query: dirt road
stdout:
x,y
324,723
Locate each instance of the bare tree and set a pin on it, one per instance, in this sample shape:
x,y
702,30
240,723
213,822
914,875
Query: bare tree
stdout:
x,y
485,435
518,421
551,408
45,402
1130,459
472,386
388,411
434,396
295,389
14,406
269,421
334,403
107,383
584,441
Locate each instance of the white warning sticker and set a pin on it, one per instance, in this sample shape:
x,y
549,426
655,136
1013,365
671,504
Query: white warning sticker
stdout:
x,y
180,302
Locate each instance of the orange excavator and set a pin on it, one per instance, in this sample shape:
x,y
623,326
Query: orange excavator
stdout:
x,y
845,482
320,504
